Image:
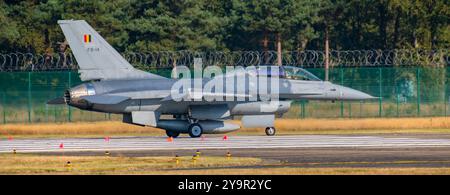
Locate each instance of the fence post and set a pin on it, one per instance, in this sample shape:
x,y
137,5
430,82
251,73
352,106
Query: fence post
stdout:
x,y
4,107
300,114
342,83
445,97
304,109
69,117
46,113
380,101
29,97
445,104
418,90
350,109
55,114
302,106
397,97
360,109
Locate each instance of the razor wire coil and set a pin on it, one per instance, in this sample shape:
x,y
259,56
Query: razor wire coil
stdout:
x,y
18,61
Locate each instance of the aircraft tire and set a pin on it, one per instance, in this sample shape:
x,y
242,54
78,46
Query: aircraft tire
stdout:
x,y
195,130
173,134
270,131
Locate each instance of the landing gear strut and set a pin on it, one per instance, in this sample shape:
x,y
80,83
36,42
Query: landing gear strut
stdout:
x,y
195,130
270,131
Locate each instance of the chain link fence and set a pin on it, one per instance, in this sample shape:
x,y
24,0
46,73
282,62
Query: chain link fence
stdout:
x,y
405,91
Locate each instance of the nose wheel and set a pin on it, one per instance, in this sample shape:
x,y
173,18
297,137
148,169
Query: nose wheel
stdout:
x,y
270,131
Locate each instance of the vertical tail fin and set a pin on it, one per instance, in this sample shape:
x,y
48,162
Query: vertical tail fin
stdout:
x,y
96,58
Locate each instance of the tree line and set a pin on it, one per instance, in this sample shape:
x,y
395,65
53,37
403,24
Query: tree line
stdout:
x,y
230,25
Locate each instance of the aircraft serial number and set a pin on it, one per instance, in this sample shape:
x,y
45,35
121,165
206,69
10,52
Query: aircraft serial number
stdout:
x,y
92,49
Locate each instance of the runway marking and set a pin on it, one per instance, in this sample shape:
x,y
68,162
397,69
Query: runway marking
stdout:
x,y
160,143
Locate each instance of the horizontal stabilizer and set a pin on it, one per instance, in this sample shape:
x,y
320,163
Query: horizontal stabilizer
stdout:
x,y
105,99
57,101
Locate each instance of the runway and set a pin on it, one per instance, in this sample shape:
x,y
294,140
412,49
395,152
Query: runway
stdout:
x,y
216,142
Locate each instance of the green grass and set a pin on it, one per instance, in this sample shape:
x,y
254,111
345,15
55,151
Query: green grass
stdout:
x,y
34,164
27,164
434,125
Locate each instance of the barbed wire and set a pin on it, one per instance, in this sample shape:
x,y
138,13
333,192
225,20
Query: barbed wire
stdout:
x,y
18,61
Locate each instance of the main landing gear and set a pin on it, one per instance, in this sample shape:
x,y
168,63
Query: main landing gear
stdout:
x,y
173,134
270,131
195,130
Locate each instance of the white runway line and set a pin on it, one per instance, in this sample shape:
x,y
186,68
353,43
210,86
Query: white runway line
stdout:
x,y
160,143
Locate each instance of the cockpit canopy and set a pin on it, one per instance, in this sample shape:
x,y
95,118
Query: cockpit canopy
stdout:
x,y
287,72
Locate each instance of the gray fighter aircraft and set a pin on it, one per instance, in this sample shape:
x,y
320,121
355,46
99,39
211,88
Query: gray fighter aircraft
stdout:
x,y
112,85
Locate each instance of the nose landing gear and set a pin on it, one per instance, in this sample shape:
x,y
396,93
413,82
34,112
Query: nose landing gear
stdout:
x,y
270,131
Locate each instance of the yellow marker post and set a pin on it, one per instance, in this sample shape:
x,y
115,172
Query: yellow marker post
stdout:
x,y
194,159
177,160
198,153
68,166
228,155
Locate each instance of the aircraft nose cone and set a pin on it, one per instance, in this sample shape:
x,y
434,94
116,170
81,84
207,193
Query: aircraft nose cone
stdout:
x,y
352,94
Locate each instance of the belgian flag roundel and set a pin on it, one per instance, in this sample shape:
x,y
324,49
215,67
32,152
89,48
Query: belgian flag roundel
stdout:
x,y
87,38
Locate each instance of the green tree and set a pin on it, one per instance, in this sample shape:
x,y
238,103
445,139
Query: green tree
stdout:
x,y
289,21
152,25
177,25
8,29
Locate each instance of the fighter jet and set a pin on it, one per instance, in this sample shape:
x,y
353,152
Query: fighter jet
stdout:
x,y
181,105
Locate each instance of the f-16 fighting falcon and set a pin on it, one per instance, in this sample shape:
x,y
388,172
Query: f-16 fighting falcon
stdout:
x,y
187,104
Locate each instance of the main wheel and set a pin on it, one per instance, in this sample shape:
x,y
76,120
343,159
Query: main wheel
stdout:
x,y
173,134
270,131
195,130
